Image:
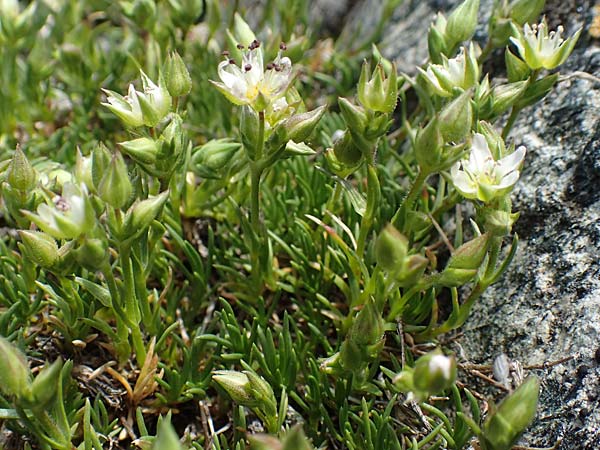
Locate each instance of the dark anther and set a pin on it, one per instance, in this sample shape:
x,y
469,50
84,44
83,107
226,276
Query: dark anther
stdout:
x,y
270,66
240,47
282,46
277,68
247,67
225,53
232,61
254,45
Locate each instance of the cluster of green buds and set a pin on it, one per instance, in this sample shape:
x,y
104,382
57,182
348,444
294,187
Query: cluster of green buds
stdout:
x,y
392,255
159,155
510,13
440,143
367,122
36,397
17,23
18,187
250,390
362,344
445,35
432,374
507,421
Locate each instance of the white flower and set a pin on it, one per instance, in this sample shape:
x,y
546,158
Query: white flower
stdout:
x,y
71,215
441,364
459,72
141,108
541,49
481,177
126,108
155,101
251,84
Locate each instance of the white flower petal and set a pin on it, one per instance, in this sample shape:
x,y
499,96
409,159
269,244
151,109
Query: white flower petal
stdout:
x,y
480,159
510,162
509,180
464,184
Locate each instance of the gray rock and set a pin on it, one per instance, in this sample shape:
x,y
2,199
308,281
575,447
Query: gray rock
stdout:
x,y
547,306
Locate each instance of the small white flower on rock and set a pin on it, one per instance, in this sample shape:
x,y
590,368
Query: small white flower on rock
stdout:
x,y
481,177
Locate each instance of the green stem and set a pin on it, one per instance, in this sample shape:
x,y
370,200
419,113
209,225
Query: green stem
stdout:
x,y
373,195
256,171
514,113
335,198
131,304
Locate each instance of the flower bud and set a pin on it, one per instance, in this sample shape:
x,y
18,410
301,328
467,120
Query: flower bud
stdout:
x,y
404,381
300,126
186,13
434,373
503,97
465,261
15,376
456,118
21,174
413,270
428,146
346,152
179,81
39,248
262,392
261,441
503,427
526,11
170,147
368,325
100,161
142,150
209,159
115,187
166,438
462,22
142,12
391,248
295,439
353,115
142,213
45,385
376,128
379,93
237,385
436,40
